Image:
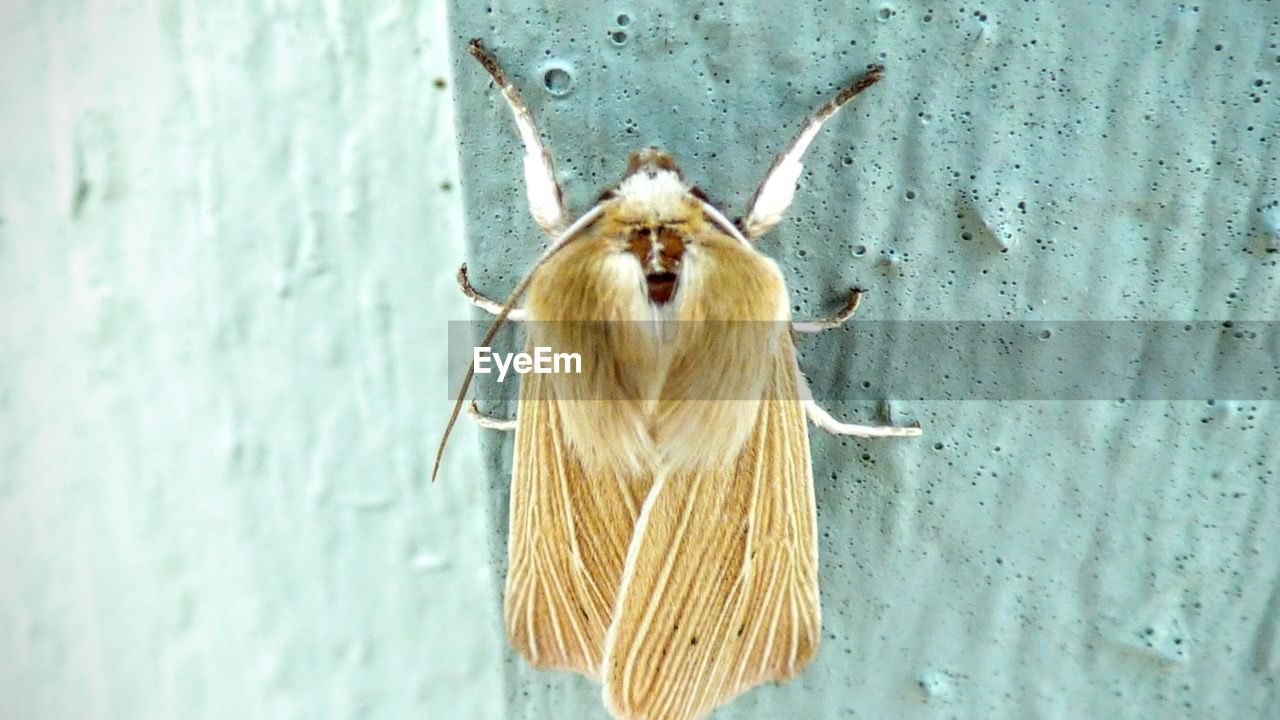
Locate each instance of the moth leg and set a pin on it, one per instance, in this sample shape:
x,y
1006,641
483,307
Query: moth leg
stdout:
x,y
546,201
831,321
488,421
774,195
484,302
823,419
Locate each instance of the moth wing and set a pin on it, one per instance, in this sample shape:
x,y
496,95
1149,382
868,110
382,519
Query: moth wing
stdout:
x,y
568,539
720,590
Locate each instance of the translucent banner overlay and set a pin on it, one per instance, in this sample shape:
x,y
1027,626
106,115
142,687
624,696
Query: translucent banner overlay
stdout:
x,y
935,360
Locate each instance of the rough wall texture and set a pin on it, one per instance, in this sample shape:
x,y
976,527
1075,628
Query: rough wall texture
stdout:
x,y
220,298
1021,161
227,233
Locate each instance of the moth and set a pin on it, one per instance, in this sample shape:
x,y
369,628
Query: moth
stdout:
x,y
662,519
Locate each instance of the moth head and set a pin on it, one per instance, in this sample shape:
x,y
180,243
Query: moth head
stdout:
x,y
652,190
651,161
652,203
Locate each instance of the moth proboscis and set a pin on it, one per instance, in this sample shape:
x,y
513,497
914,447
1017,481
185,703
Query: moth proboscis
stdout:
x,y
661,542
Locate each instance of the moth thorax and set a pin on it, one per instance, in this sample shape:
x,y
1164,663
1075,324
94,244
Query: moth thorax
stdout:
x,y
660,250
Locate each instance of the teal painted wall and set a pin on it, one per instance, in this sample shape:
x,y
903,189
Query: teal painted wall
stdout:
x,y
227,239
221,299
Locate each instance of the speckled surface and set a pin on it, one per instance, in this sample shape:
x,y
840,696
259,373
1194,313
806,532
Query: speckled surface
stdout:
x,y
1020,161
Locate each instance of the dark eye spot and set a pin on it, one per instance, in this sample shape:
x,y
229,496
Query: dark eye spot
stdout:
x,y
661,287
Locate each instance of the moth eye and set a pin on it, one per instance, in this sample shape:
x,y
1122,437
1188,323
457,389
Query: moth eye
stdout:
x,y
697,192
606,195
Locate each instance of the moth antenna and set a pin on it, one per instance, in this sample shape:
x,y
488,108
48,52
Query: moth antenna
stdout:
x,y
775,193
471,368
546,200
507,307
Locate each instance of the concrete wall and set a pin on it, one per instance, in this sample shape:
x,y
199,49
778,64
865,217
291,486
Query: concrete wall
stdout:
x,y
227,236
1039,162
